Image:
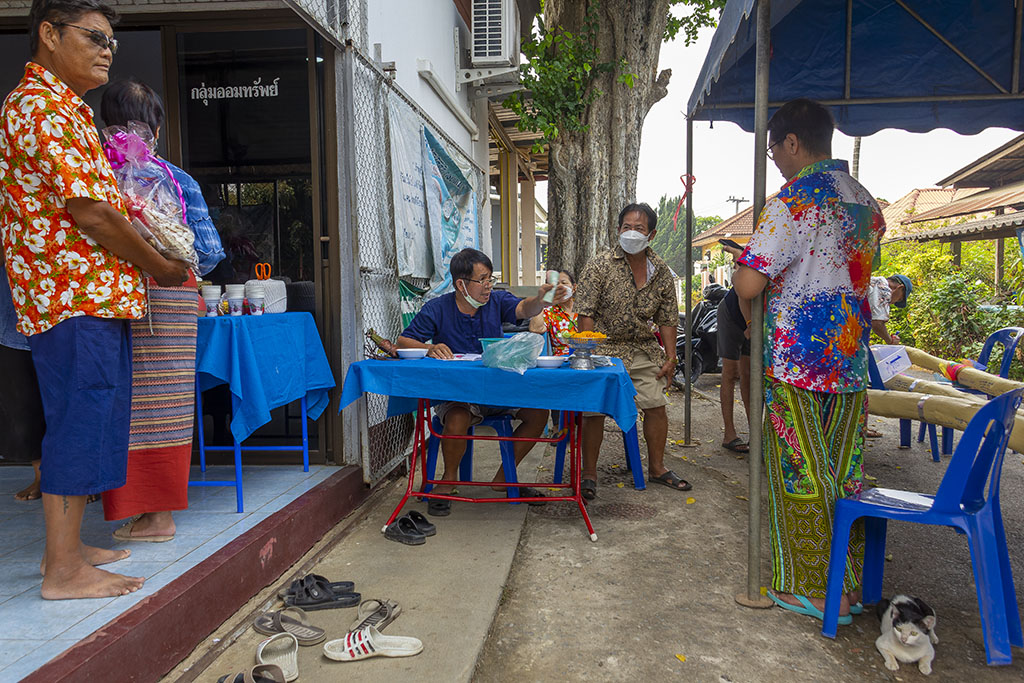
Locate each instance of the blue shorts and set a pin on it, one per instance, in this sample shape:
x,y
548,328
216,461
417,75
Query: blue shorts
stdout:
x,y
84,367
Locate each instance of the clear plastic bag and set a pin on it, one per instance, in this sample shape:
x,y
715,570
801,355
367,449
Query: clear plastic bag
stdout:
x,y
150,192
518,353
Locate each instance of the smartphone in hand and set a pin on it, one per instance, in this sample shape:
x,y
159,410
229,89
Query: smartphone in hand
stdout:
x,y
730,243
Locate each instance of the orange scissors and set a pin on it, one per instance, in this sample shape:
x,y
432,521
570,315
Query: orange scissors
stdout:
x,y
262,271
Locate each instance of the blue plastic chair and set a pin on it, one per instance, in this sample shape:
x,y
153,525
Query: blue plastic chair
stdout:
x,y
1009,337
961,503
503,426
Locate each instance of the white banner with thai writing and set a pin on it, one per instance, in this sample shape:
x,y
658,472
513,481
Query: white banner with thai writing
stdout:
x,y
411,238
451,211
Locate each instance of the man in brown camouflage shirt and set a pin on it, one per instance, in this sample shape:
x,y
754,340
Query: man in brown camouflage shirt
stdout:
x,y
621,292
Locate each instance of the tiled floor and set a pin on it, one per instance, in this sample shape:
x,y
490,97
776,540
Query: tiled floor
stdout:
x,y
35,630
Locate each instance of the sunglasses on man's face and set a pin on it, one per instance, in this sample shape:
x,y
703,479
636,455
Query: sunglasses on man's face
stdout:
x,y
99,38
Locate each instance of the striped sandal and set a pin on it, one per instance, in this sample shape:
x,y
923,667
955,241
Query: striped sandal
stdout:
x,y
376,613
370,643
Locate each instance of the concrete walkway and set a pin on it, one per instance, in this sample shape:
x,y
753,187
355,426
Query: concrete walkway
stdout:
x,y
507,593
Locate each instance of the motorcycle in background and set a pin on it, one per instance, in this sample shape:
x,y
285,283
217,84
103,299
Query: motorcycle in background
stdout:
x,y
704,336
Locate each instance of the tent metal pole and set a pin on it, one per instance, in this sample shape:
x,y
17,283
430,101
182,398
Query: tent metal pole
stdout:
x,y
849,48
945,41
1018,24
688,303
753,597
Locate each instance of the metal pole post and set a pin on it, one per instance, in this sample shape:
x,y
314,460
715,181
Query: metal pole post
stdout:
x,y
753,597
687,303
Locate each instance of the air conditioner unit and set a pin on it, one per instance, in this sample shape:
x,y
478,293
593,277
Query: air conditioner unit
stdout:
x,y
495,33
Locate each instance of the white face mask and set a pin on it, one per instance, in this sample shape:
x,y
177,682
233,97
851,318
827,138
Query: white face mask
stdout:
x,y
470,300
568,293
632,241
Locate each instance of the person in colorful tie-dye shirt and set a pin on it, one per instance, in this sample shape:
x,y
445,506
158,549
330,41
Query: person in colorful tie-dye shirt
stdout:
x,y
811,254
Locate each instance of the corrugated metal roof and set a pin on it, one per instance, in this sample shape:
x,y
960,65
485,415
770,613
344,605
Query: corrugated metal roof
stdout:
x,y
989,200
987,228
1001,166
916,202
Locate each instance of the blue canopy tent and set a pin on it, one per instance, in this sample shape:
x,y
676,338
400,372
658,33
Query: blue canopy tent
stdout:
x,y
914,65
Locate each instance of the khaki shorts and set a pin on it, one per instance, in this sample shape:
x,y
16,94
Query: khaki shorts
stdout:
x,y
650,391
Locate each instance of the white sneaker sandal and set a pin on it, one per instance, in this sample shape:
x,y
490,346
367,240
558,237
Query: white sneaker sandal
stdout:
x,y
368,642
283,650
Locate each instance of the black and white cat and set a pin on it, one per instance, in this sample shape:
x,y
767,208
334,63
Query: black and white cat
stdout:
x,y
908,633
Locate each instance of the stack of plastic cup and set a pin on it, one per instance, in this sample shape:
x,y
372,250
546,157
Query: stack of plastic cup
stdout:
x,y
236,297
255,294
211,297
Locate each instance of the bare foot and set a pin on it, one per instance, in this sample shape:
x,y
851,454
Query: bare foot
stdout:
x,y
85,581
95,556
30,492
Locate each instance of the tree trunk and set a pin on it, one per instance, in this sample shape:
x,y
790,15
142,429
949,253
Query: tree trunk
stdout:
x,y
592,174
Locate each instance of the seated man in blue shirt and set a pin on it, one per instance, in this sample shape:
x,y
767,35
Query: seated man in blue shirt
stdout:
x,y
455,323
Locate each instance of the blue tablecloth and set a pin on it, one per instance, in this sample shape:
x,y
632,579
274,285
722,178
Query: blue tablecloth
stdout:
x,y
603,390
268,361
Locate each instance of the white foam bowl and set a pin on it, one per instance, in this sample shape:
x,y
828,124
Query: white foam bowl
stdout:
x,y
550,361
411,354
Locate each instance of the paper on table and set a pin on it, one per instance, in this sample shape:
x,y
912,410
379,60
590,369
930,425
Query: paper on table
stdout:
x,y
465,356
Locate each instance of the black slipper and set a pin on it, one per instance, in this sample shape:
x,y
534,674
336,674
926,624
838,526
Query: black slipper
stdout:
x,y
335,586
404,531
313,594
736,446
668,478
527,492
421,523
439,508
588,487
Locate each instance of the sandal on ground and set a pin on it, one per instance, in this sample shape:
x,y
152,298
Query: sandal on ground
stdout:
x,y
335,586
124,533
261,673
315,594
403,530
289,620
422,524
282,650
857,608
668,478
376,613
807,609
368,642
737,445
527,492
439,508
872,433
588,488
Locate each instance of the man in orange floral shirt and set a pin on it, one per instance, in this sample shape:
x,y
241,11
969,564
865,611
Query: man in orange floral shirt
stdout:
x,y
73,263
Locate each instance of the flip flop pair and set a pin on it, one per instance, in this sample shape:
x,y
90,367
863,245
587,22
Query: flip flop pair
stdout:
x,y
261,673
314,592
289,620
281,650
368,642
806,608
376,613
412,528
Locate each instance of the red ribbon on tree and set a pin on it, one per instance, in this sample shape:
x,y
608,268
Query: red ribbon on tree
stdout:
x,y
687,181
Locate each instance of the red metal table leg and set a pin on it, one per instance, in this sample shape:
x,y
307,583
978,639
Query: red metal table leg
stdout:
x,y
418,451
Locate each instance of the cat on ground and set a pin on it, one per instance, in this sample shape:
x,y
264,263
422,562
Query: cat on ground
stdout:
x,y
908,633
